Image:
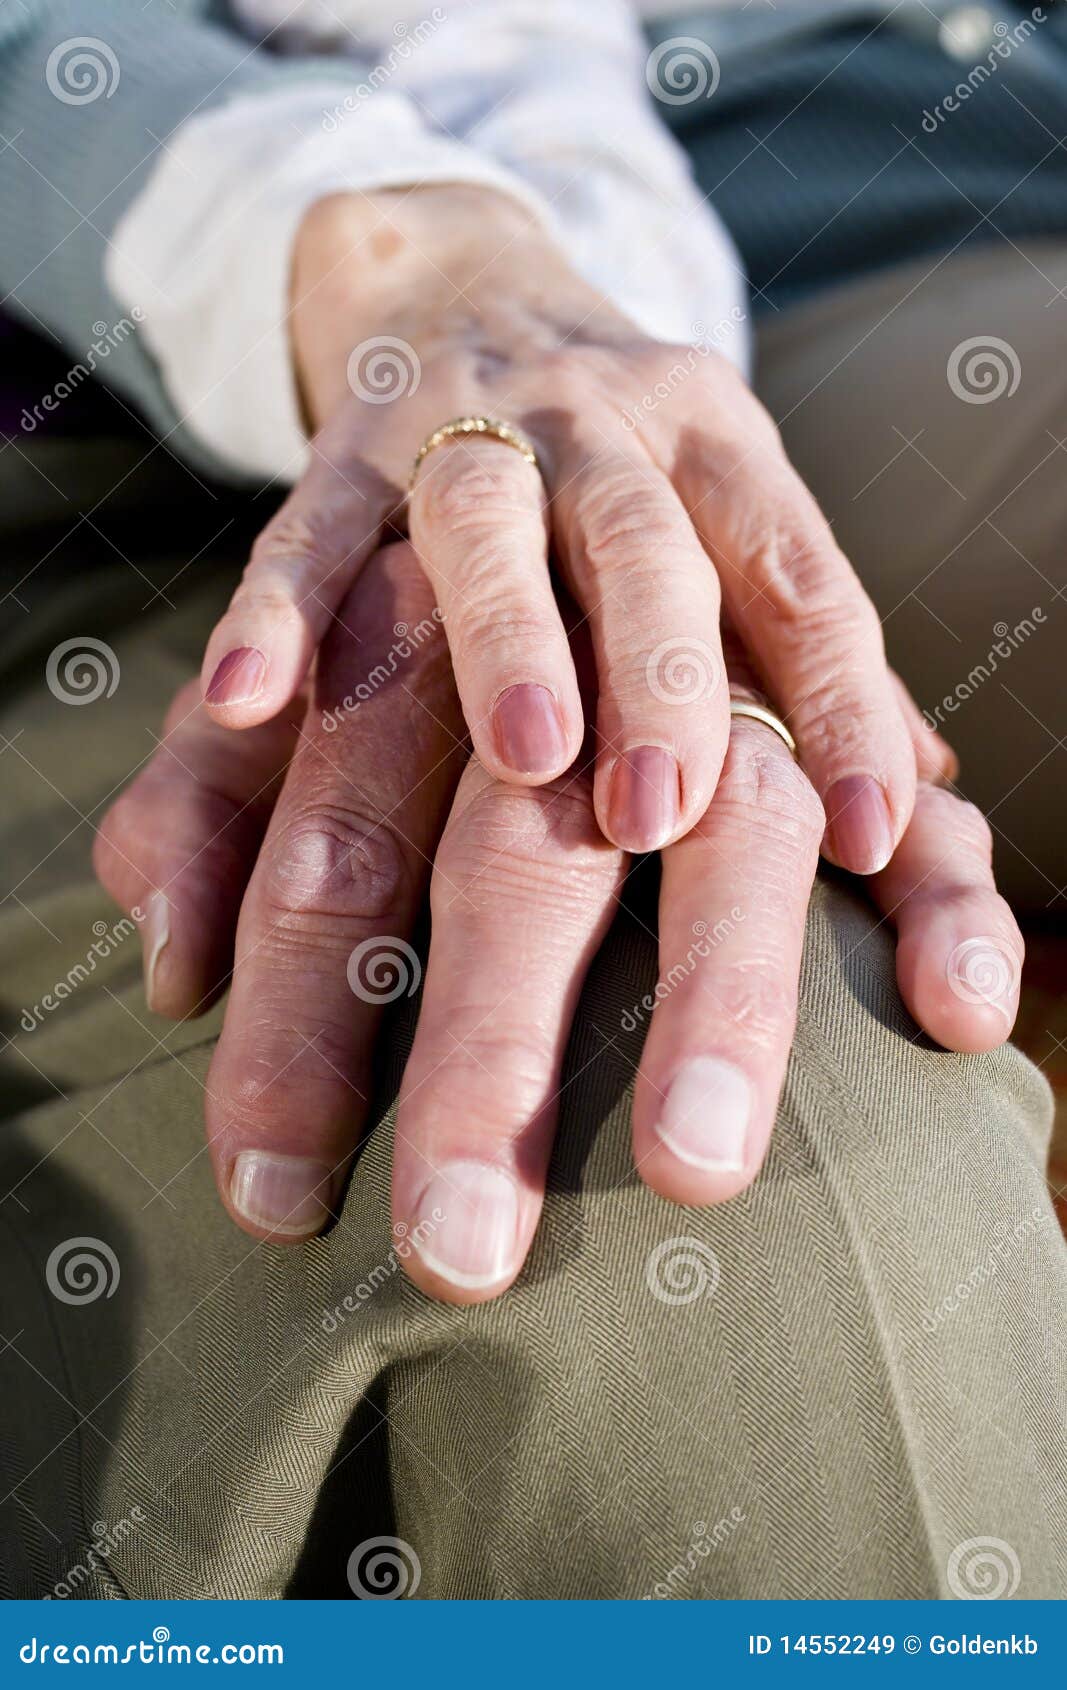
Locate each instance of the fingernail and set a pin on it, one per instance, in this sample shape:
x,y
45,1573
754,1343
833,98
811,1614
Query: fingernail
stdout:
x,y
705,1116
643,801
155,936
239,677
466,1226
285,1194
861,829
529,730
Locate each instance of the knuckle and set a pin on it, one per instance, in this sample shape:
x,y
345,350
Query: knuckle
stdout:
x,y
496,1082
765,789
291,1059
841,618
789,571
163,826
791,560
571,374
976,829
759,1000
962,821
471,490
281,556
270,597
516,1047
335,863
495,591
130,834
289,534
530,822
538,849
499,630
117,842
623,525
742,465
122,824
834,725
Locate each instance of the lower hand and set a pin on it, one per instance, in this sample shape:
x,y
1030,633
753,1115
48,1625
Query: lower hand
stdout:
x,y
524,886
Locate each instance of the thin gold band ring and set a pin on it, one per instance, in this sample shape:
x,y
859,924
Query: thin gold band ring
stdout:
x,y
759,713
486,426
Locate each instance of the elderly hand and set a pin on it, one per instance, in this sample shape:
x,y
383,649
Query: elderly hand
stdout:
x,y
664,492
314,843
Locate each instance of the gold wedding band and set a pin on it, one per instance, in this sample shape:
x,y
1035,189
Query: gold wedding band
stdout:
x,y
461,426
758,713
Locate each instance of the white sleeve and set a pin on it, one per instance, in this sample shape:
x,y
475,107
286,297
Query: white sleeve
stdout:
x,y
541,99
560,92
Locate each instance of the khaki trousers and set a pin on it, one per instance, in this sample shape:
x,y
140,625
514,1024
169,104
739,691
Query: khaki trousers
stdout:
x,y
829,1388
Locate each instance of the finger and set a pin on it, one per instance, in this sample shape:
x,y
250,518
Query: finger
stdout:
x,y
322,939
301,567
522,894
477,515
652,600
732,910
177,847
935,759
816,637
959,950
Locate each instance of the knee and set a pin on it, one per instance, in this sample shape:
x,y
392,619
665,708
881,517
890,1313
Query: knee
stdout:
x,y
761,1399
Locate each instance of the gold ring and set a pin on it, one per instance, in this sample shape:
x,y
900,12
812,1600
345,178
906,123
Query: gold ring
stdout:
x,y
759,713
460,426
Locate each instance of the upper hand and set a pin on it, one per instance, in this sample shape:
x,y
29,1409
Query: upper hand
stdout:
x,y
665,494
